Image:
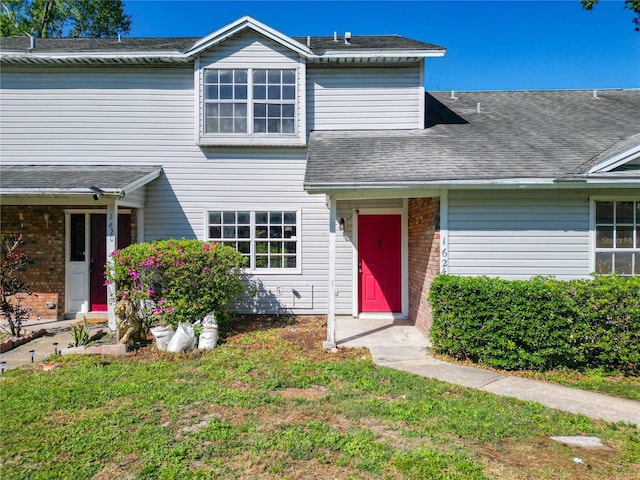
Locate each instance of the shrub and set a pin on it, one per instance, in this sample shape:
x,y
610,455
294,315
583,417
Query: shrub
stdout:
x,y
538,324
13,288
177,280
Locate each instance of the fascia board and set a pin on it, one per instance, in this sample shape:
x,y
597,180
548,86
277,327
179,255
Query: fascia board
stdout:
x,y
117,192
140,182
488,184
245,23
331,54
617,160
92,57
55,191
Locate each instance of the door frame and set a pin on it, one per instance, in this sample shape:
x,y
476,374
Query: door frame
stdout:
x,y
83,270
404,256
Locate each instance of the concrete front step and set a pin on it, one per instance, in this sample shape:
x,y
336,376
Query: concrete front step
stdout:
x,y
117,349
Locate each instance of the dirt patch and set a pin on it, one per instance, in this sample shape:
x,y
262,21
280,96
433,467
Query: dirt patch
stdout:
x,y
125,468
542,458
312,393
305,333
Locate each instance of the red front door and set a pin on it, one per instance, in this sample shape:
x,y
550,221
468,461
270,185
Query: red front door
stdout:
x,y
379,263
98,256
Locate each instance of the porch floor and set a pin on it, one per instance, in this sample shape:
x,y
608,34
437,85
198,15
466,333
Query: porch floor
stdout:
x,y
391,340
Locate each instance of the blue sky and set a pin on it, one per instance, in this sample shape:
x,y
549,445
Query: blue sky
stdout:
x,y
498,45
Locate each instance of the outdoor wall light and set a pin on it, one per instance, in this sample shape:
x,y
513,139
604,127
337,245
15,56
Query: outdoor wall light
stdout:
x,y
343,220
97,192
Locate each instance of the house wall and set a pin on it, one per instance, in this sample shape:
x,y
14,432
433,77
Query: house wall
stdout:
x,y
146,116
424,257
355,98
518,234
44,244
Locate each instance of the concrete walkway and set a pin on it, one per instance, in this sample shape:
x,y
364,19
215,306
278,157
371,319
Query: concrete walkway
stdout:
x,y
57,332
400,345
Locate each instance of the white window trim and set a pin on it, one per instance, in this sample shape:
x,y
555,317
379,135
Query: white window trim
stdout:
x,y
252,256
592,222
298,138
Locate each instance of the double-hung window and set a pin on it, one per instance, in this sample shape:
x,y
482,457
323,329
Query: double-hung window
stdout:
x,y
270,239
617,237
249,101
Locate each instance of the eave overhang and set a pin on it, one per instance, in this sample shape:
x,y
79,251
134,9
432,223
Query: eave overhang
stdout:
x,y
350,54
94,188
481,184
94,58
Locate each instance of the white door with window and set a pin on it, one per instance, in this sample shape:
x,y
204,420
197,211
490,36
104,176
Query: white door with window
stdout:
x,y
77,263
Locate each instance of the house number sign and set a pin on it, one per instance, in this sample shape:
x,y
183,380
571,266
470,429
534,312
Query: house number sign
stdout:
x,y
111,234
444,253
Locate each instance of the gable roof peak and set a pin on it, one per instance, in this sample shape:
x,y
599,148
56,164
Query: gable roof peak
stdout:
x,y
241,25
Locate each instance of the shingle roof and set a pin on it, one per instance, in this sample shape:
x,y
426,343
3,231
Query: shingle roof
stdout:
x,y
89,45
516,135
50,179
367,42
178,44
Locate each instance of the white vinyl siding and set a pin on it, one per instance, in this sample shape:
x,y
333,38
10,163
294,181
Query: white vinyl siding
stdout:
x,y
519,234
350,98
145,116
252,51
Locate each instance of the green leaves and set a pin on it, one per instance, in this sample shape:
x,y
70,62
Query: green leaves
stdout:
x,y
64,18
178,280
538,324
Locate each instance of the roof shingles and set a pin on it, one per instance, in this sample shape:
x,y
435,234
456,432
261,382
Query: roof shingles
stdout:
x,y
516,135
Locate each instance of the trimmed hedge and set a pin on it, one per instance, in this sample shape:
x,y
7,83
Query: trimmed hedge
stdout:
x,y
538,324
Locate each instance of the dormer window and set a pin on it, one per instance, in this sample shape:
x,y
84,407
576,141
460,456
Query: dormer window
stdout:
x,y
249,102
274,101
225,97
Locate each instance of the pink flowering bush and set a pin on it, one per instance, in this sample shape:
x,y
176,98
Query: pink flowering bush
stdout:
x,y
177,280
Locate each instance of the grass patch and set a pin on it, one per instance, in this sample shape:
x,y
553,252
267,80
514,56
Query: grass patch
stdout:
x,y
271,404
596,380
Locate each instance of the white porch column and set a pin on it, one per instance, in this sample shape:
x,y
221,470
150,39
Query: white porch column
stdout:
x,y
444,231
112,245
331,307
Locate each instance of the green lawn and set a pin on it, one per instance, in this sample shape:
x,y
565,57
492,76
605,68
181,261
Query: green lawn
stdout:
x,y
271,404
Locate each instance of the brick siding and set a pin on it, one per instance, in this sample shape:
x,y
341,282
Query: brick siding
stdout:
x,y
424,257
45,246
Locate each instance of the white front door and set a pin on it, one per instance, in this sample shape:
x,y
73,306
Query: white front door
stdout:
x,y
77,263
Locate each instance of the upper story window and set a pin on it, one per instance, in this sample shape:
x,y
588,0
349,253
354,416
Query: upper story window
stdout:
x,y
249,101
617,234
